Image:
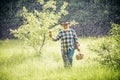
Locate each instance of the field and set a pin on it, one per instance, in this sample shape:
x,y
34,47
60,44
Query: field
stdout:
x,y
18,62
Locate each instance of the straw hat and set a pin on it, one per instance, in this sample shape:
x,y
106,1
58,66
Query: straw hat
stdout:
x,y
65,23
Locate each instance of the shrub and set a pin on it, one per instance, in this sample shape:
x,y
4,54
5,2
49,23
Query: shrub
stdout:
x,y
108,49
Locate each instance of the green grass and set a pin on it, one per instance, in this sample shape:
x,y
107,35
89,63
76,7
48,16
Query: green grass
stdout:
x,y
20,63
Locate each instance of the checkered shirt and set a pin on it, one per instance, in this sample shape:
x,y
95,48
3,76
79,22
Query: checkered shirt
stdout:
x,y
68,39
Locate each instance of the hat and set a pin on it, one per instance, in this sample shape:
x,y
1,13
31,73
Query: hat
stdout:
x,y
65,23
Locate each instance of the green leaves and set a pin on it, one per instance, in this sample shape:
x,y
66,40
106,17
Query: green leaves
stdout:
x,y
115,31
50,5
41,2
108,49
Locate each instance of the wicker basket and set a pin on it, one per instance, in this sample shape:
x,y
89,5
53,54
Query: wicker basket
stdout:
x,y
79,56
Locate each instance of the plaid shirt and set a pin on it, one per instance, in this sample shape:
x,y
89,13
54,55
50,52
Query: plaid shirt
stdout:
x,y
68,39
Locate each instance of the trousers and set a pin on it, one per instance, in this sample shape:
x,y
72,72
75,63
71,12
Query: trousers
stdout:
x,y
67,57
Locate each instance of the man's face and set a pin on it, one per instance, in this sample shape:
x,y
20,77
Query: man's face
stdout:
x,y
65,26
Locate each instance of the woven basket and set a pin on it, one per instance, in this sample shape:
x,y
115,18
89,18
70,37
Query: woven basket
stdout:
x,y
79,56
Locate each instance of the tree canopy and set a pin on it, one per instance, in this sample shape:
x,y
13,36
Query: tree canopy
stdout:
x,y
93,16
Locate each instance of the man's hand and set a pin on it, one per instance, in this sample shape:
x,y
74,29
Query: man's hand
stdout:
x,y
77,46
50,34
78,49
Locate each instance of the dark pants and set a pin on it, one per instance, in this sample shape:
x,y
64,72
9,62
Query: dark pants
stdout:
x,y
68,57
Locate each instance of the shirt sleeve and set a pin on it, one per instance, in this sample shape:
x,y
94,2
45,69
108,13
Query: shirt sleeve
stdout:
x,y
75,36
57,37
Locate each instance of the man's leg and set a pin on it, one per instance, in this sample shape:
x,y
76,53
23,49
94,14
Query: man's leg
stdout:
x,y
65,59
70,56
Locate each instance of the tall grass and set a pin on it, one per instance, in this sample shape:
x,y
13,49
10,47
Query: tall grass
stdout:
x,y
20,63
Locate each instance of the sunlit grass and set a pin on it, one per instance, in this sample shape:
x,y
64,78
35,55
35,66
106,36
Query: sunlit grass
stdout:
x,y
20,63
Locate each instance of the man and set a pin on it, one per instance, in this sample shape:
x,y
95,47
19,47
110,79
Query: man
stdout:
x,y
69,42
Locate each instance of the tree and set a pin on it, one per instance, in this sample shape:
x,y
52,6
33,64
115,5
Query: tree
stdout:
x,y
35,27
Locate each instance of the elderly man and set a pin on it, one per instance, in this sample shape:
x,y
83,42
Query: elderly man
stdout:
x,y
69,42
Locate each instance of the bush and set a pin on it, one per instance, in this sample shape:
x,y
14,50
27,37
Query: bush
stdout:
x,y
108,48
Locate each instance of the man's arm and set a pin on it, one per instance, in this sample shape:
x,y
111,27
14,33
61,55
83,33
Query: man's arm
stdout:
x,y
56,38
76,41
77,46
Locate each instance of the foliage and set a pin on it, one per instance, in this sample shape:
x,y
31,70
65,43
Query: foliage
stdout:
x,y
93,16
108,49
36,25
115,33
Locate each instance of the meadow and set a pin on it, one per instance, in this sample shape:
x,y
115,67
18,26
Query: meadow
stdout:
x,y
18,62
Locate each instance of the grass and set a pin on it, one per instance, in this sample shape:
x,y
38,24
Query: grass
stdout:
x,y
20,63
